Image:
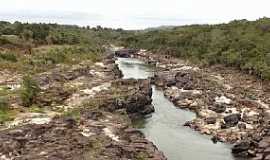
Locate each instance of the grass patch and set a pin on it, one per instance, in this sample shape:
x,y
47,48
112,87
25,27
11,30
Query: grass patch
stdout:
x,y
74,113
4,114
36,109
9,56
141,156
44,58
66,55
4,90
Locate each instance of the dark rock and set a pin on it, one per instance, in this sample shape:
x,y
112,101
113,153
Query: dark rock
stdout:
x,y
75,73
70,122
188,124
117,72
241,149
211,120
148,109
184,80
125,53
232,120
95,115
219,108
55,94
164,79
15,132
223,125
242,126
215,139
137,103
151,62
56,76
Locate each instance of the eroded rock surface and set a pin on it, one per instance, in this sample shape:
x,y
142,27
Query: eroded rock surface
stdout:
x,y
95,135
230,106
84,112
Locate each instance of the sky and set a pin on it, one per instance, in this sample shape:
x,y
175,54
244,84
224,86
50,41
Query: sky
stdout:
x,y
132,14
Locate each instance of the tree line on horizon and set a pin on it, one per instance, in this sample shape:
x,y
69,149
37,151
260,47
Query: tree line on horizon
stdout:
x,y
45,34
241,43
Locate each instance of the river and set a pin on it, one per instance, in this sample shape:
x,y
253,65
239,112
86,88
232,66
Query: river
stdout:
x,y
165,126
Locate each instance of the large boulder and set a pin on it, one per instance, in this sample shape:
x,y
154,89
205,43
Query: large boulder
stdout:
x,y
164,79
184,80
117,72
125,53
219,108
135,98
241,149
232,120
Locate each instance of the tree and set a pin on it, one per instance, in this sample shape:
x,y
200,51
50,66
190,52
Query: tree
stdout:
x,y
30,90
27,35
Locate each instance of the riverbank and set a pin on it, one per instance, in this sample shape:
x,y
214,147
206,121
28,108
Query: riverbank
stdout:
x,y
230,106
165,126
83,111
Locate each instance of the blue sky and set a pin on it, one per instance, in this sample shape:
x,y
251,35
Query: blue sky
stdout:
x,y
132,14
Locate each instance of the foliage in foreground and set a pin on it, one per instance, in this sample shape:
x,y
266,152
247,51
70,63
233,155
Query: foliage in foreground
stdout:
x,y
29,92
36,47
44,58
242,44
4,116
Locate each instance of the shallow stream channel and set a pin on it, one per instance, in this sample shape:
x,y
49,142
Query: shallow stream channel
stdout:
x,y
165,126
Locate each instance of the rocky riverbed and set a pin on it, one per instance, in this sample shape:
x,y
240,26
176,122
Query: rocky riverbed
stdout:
x,y
84,112
231,106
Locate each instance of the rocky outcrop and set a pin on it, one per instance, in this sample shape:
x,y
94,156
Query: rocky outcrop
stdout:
x,y
230,106
186,80
84,112
125,53
220,112
92,136
56,140
232,120
117,72
255,146
134,98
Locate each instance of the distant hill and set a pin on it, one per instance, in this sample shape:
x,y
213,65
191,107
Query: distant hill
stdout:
x,y
160,28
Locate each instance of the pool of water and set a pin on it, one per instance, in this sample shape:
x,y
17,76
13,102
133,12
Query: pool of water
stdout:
x,y
165,127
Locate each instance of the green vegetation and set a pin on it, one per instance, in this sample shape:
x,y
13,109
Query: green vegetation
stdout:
x,y
4,116
29,49
73,113
8,57
20,34
47,57
142,156
36,109
34,48
29,91
242,44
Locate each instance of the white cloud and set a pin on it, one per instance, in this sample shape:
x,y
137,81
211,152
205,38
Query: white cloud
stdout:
x,y
132,13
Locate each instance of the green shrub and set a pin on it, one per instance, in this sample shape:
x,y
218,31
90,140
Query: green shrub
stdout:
x,y
3,104
36,109
29,91
4,116
8,57
73,113
55,56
